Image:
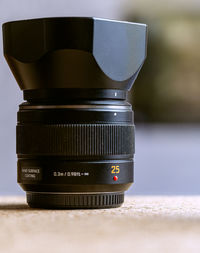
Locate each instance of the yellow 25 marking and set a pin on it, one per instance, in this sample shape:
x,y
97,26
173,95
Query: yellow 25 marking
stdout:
x,y
115,169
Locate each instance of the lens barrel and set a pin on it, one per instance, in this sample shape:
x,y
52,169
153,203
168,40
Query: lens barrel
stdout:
x,y
75,155
75,133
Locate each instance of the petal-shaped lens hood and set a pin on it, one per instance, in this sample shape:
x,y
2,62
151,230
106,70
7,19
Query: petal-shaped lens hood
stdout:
x,y
74,52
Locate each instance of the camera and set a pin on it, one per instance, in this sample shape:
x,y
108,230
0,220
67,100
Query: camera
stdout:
x,y
75,132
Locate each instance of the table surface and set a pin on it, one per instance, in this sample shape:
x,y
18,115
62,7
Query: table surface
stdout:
x,y
142,224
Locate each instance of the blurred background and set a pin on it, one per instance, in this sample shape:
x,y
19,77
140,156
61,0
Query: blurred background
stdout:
x,y
165,97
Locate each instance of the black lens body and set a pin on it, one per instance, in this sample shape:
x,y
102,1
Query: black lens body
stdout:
x,y
75,133
69,155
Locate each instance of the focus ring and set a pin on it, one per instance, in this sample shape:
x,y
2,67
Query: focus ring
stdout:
x,y
79,140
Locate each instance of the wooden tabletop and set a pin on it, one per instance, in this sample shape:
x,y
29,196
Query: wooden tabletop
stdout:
x,y
142,224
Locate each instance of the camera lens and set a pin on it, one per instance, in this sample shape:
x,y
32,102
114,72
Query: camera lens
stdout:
x,y
75,132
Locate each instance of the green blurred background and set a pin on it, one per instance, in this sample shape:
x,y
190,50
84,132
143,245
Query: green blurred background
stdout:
x,y
168,87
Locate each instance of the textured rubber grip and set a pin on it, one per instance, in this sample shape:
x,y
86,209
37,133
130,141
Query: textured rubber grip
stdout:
x,y
76,140
78,200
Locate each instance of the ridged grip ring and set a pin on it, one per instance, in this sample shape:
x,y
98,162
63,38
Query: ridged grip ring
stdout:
x,y
79,140
67,200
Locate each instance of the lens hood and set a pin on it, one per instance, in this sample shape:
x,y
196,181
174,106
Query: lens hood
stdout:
x,y
74,52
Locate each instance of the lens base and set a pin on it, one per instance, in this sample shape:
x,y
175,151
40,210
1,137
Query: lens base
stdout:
x,y
74,200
